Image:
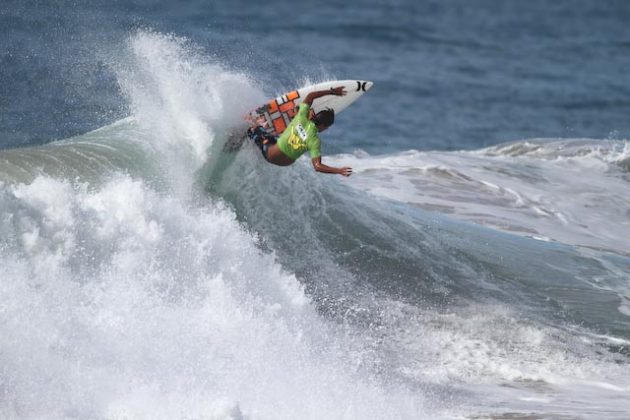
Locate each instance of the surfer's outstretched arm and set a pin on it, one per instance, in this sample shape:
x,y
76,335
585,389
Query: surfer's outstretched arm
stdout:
x,y
338,91
320,167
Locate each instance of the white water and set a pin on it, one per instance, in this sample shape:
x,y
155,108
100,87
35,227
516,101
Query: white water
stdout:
x,y
122,302
574,192
182,100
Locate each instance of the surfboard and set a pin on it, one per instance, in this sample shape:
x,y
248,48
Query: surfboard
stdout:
x,y
278,112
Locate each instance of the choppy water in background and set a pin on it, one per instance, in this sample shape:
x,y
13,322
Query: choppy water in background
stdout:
x,y
451,74
475,266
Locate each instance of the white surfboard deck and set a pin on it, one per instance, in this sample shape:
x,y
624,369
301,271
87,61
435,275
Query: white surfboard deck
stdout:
x,y
279,112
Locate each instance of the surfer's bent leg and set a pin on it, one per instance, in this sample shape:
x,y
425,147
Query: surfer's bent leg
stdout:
x,y
262,139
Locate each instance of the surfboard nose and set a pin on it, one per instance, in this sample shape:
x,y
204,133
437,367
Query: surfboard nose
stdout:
x,y
366,85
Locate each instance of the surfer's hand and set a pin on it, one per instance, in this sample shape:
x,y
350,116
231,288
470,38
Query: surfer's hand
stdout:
x,y
345,171
338,91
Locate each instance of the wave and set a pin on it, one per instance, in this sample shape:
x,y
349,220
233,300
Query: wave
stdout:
x,y
124,302
581,151
126,293
147,274
569,191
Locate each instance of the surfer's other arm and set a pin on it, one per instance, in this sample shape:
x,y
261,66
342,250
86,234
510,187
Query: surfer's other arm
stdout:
x,y
320,167
338,91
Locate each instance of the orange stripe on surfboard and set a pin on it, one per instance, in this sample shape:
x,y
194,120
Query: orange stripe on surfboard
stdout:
x,y
279,125
273,106
286,106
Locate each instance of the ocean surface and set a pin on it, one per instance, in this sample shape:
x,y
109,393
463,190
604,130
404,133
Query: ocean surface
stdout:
x,y
475,266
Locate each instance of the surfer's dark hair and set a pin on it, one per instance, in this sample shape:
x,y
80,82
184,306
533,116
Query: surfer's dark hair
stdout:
x,y
325,117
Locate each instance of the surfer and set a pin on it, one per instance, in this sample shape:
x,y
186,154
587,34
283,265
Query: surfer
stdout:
x,y
301,135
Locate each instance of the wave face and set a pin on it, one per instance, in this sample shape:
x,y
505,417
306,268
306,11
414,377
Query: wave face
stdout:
x,y
147,274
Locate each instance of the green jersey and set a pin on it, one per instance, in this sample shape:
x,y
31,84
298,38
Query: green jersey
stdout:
x,y
300,136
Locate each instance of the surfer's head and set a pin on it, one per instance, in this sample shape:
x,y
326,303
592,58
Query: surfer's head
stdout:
x,y
324,119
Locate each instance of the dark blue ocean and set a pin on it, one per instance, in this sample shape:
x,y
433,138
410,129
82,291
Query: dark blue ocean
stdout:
x,y
450,75
475,266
